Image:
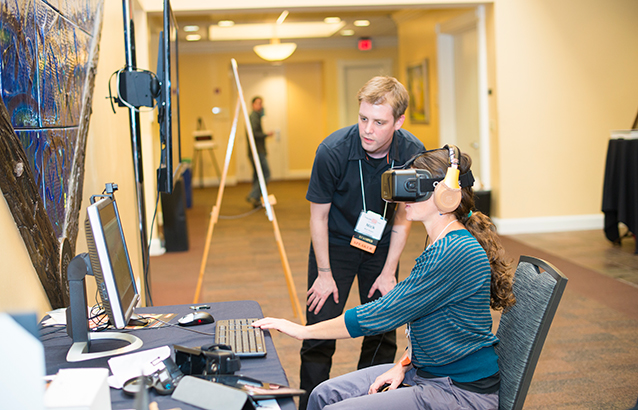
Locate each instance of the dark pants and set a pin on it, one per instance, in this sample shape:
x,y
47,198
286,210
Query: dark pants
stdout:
x,y
346,262
255,192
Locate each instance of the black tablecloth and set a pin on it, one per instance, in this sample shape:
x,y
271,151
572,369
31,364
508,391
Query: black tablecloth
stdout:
x,y
620,189
56,346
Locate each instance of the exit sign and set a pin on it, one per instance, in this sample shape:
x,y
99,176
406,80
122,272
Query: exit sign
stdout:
x,y
364,44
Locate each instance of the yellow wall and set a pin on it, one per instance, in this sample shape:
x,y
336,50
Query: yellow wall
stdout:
x,y
305,88
21,290
565,77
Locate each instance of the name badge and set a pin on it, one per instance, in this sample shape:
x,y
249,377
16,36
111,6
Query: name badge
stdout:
x,y
368,231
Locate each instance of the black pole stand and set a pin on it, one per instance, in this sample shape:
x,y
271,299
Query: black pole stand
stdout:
x,y
134,119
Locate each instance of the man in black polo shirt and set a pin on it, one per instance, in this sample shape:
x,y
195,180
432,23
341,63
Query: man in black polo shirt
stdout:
x,y
354,232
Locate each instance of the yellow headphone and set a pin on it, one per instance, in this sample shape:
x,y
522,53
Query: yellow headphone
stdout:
x,y
447,193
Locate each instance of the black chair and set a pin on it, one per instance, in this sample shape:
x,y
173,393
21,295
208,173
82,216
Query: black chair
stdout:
x,y
538,287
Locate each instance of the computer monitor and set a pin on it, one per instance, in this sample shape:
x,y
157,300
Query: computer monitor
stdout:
x,y
107,260
110,261
168,115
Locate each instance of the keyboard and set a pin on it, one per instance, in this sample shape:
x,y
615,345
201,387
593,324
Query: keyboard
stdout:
x,y
245,340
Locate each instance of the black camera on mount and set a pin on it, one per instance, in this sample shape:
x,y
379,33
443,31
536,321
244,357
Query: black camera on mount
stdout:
x,y
206,360
164,380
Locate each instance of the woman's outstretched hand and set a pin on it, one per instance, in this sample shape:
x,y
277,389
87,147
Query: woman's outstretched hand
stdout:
x,y
284,326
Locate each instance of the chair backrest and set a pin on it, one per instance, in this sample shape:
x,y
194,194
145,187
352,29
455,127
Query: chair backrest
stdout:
x,y
538,287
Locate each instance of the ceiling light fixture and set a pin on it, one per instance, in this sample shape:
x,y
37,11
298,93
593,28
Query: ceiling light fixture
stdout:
x,y
191,28
347,32
193,37
332,20
362,23
225,23
276,50
282,17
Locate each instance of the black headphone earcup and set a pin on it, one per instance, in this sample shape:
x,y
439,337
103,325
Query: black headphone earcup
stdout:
x,y
446,199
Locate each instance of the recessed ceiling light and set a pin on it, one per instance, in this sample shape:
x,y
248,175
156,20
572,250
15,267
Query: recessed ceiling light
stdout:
x,y
310,29
191,28
332,20
347,32
362,23
193,37
226,23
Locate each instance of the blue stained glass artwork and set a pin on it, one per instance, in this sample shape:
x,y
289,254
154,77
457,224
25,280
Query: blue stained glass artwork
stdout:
x,y
63,64
44,62
82,13
58,147
33,147
18,66
56,4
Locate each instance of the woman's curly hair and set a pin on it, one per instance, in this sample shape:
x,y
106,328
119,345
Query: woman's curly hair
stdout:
x,y
479,225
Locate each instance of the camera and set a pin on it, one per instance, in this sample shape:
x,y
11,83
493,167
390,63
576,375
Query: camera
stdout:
x,y
163,380
206,360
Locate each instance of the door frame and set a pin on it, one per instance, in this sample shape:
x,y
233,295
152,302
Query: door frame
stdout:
x,y
445,45
342,66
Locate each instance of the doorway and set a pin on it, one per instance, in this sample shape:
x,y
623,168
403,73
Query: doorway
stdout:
x,y
462,73
352,76
268,82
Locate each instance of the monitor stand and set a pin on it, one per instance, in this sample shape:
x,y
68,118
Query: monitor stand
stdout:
x,y
77,321
79,351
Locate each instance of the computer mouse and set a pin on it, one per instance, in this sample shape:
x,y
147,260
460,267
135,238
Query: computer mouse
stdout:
x,y
196,318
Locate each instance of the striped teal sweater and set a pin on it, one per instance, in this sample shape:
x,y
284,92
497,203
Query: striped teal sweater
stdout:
x,y
446,300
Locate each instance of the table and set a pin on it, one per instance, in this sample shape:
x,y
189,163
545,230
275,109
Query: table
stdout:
x,y
620,189
203,141
267,369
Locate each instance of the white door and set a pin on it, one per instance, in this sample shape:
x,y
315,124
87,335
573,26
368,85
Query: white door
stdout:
x,y
352,76
268,82
463,90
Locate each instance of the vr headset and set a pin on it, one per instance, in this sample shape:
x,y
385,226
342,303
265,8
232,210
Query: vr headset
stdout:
x,y
416,185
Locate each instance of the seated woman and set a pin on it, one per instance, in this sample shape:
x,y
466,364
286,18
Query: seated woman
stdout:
x,y
450,361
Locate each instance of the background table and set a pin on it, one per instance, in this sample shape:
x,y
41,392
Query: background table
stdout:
x,y
620,189
269,369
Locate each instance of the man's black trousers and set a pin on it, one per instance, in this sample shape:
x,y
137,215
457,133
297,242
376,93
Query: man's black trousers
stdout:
x,y
346,262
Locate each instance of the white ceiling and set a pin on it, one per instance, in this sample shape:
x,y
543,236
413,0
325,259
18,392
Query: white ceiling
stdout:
x,y
382,29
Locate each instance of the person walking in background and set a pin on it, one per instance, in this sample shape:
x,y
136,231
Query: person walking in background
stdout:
x,y
345,192
260,142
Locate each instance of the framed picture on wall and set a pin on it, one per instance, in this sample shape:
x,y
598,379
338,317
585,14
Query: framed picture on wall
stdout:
x,y
419,90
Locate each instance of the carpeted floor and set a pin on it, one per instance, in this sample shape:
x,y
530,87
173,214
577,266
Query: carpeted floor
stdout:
x,y
590,358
